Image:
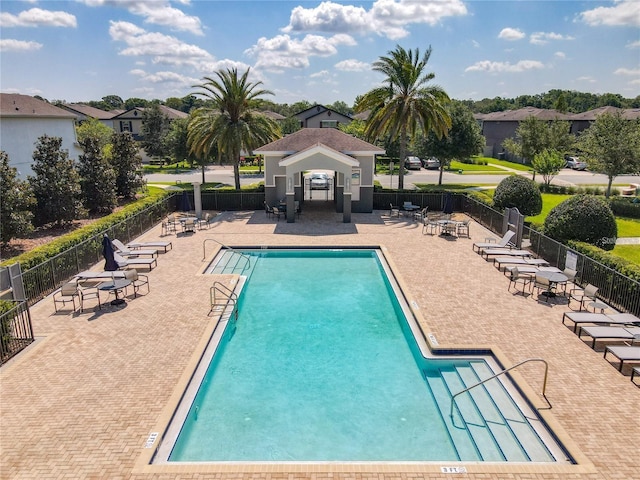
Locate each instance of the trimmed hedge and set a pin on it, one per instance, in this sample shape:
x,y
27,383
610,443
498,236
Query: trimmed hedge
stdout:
x,y
520,192
45,252
626,207
614,262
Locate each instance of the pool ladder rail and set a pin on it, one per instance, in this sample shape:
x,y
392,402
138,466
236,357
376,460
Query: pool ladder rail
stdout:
x,y
243,256
222,296
481,382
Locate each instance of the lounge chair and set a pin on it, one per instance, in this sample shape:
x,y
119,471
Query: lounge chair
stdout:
x,y
157,245
502,261
529,269
492,252
609,333
124,251
634,372
624,354
504,241
599,319
88,274
134,262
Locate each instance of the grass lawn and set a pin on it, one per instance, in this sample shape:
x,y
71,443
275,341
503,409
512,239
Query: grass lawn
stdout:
x,y
504,163
628,252
473,168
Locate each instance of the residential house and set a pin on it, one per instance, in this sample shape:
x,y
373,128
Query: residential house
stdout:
x,y
131,120
85,112
352,160
23,120
582,121
320,116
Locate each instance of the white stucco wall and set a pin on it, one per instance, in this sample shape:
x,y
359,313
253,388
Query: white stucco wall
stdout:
x,y
18,138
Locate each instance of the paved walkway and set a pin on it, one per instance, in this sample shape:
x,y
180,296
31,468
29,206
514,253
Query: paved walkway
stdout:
x,y
82,401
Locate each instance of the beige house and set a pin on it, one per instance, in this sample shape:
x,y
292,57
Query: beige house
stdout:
x,y
352,160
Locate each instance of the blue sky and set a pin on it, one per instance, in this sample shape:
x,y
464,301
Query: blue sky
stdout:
x,y
317,51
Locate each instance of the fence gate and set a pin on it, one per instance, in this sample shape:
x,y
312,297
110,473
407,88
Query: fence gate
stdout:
x,y
514,220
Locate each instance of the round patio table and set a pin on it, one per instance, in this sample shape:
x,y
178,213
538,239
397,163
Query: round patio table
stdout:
x,y
116,286
554,278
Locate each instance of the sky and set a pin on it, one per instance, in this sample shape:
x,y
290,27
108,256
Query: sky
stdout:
x,y
319,51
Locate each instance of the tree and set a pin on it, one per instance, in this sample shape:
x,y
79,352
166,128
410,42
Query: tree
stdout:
x,y
548,163
585,218
94,128
17,202
463,140
520,192
155,126
97,177
56,185
290,125
113,102
611,146
342,107
405,103
177,142
235,122
127,164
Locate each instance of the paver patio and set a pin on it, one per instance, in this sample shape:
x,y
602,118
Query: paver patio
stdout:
x,y
82,401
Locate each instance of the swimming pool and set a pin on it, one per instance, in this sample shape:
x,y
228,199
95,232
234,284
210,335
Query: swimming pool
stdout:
x,y
324,364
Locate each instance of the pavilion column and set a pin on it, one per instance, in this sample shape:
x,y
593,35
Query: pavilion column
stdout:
x,y
291,197
346,200
197,199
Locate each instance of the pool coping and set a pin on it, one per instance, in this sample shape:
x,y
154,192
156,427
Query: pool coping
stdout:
x,y
143,464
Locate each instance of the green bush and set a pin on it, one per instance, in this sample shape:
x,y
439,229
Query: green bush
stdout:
x,y
614,262
520,192
625,207
585,218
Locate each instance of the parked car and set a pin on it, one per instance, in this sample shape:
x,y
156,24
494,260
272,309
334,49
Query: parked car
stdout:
x,y
575,163
319,181
412,163
431,163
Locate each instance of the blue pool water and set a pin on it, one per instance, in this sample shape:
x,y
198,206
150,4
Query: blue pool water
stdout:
x,y
321,365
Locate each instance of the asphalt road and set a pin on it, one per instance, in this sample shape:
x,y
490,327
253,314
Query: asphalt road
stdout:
x,y
224,174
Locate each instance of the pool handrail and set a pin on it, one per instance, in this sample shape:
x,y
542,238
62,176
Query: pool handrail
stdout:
x,y
243,255
544,383
229,295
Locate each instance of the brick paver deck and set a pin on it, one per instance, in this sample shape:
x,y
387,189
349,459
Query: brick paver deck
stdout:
x,y
82,401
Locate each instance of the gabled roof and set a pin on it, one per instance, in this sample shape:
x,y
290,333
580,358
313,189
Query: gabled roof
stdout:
x,y
524,113
16,105
329,137
591,115
138,113
317,110
88,111
273,115
322,149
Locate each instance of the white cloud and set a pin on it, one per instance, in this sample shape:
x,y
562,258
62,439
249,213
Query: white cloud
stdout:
x,y
587,79
157,12
542,38
511,34
36,17
635,82
11,45
475,44
627,71
386,17
504,67
165,77
352,65
161,48
282,51
559,55
320,74
635,44
623,13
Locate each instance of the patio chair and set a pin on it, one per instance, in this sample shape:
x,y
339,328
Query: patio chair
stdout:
x,y
583,296
394,211
420,215
68,293
516,278
268,210
462,228
134,262
276,212
137,280
571,277
171,223
504,242
189,225
543,286
88,290
204,222
126,252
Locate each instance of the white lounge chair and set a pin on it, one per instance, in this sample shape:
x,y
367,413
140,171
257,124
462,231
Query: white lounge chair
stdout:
x,y
504,241
134,262
624,354
124,251
502,261
609,333
157,245
600,319
492,252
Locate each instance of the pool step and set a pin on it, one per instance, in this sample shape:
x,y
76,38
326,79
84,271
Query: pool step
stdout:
x,y
232,262
486,425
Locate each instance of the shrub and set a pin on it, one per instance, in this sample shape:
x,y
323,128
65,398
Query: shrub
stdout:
x,y
625,207
585,218
520,192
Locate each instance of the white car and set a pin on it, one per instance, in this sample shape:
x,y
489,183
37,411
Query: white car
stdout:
x,y
319,181
432,163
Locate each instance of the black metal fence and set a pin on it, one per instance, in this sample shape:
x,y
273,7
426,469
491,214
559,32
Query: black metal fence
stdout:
x,y
433,200
614,288
16,332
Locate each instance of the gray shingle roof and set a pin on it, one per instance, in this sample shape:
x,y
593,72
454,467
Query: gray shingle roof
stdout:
x,y
89,111
330,137
16,105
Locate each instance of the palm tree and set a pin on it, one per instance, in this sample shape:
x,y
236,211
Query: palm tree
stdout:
x,y
404,103
232,122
